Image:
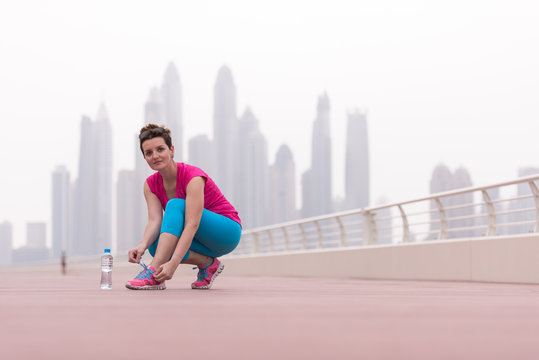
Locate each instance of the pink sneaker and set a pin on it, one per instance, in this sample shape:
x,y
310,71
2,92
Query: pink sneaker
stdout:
x,y
145,280
206,275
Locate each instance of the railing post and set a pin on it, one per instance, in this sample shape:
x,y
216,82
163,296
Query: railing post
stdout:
x,y
443,219
343,233
320,243
270,237
303,236
369,224
285,238
405,225
535,193
491,230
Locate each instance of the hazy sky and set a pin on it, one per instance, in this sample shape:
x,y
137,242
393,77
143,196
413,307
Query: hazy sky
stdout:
x,y
443,81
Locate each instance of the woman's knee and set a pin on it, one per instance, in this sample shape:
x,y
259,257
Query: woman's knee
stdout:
x,y
175,206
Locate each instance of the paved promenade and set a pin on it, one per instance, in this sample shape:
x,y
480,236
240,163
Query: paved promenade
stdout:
x,y
45,315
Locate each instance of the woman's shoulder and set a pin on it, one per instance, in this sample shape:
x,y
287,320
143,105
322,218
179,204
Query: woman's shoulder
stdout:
x,y
187,170
153,180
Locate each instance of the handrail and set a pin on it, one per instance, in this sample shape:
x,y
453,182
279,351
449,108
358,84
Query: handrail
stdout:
x,y
454,217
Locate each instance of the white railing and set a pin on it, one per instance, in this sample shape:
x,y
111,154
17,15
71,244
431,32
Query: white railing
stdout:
x,y
464,213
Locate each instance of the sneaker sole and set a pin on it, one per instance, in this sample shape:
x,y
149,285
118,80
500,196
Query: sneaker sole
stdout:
x,y
207,287
147,287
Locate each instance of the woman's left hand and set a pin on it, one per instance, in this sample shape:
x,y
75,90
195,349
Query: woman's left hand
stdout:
x,y
166,271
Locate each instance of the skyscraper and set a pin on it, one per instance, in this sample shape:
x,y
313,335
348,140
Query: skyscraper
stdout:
x,y
103,153
126,192
6,242
85,208
201,153
93,223
252,176
36,235
443,180
317,192
172,108
383,223
153,113
61,210
357,183
153,108
529,216
283,186
36,244
462,179
225,133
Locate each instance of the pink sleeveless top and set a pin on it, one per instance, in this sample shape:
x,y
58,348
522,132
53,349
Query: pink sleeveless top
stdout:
x,y
214,200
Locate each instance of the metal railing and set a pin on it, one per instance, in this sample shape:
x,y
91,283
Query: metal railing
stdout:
x,y
464,213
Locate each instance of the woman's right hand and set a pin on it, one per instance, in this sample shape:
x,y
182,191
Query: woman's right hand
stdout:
x,y
135,254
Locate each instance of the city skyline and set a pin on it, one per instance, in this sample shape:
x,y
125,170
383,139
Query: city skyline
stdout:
x,y
453,84
263,193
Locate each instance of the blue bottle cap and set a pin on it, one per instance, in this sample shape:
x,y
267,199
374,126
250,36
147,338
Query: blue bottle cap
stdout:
x,y
107,250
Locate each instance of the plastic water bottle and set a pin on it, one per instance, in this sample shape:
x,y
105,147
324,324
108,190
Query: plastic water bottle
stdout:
x,y
106,270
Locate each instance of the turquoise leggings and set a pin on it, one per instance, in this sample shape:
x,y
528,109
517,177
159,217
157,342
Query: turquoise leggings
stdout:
x,y
217,235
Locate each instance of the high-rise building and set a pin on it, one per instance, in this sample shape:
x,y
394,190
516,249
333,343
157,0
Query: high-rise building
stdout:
x,y
93,223
171,94
153,114
225,133
61,210
142,171
6,242
252,176
527,218
103,153
357,183
462,179
201,154
283,186
153,108
317,192
36,235
85,208
36,244
443,180
127,238
384,223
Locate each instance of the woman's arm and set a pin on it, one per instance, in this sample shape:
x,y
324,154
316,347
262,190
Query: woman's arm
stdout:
x,y
155,218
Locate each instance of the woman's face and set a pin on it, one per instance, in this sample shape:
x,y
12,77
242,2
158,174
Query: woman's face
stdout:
x,y
156,153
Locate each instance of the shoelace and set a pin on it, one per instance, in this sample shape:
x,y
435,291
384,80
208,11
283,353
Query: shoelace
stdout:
x,y
144,274
202,273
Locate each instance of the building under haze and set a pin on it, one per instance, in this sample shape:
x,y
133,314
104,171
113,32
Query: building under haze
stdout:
x,y
316,182
6,242
126,202
36,244
171,95
201,154
225,134
384,223
283,186
93,190
444,180
357,176
154,108
252,200
526,218
61,210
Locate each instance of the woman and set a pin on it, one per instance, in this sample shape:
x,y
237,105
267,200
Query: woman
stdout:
x,y
198,224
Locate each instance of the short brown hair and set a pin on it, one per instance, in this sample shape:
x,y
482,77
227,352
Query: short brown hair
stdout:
x,y
151,131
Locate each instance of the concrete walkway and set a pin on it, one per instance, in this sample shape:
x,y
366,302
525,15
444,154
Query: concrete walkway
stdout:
x,y
45,315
